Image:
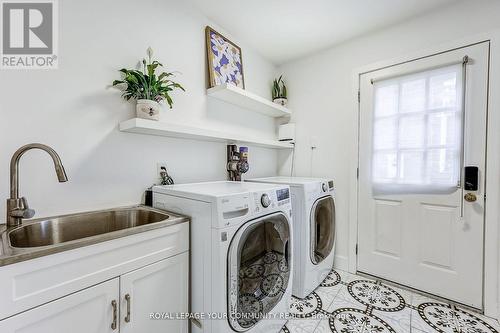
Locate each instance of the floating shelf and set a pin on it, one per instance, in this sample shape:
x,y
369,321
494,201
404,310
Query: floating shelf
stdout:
x,y
240,97
151,127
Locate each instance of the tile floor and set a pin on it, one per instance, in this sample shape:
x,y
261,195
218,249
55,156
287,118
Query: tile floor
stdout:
x,y
346,303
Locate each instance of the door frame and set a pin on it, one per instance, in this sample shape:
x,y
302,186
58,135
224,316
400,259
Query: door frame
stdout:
x,y
491,246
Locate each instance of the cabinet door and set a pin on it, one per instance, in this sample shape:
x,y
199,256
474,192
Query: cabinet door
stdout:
x,y
158,288
86,311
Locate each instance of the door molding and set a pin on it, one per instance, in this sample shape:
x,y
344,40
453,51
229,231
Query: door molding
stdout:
x,y
491,274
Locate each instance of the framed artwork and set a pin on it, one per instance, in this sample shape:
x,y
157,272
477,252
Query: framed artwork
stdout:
x,y
224,60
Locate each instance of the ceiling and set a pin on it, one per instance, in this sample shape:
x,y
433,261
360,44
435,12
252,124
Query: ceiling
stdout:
x,y
283,30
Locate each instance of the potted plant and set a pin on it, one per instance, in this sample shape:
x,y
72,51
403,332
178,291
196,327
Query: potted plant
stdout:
x,y
148,88
279,91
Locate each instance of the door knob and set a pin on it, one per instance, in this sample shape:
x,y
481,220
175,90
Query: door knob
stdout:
x,y
470,197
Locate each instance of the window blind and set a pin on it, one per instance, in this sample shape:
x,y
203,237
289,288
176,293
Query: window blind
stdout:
x,y
417,134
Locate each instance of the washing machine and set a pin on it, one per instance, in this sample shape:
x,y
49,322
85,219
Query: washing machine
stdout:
x,y
241,253
313,208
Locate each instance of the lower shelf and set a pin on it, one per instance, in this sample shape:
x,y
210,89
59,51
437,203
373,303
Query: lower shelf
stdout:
x,y
151,127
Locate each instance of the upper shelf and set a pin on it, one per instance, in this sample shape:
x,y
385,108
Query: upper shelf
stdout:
x,y
230,93
146,126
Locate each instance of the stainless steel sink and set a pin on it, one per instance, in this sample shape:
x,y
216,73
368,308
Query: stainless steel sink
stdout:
x,y
62,229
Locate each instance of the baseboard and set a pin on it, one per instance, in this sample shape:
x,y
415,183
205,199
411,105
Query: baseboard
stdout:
x,y
341,262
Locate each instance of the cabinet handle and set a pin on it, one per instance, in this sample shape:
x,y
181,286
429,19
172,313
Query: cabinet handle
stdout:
x,y
128,299
115,314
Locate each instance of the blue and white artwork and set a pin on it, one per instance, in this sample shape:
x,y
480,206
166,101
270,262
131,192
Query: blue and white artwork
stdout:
x,y
225,65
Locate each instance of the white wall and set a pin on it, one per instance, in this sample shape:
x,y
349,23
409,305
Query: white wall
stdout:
x,y
322,97
73,110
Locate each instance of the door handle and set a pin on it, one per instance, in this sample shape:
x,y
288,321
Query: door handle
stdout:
x,y
115,314
470,197
128,299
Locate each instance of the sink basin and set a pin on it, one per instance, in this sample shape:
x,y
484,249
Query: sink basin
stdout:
x,y
57,230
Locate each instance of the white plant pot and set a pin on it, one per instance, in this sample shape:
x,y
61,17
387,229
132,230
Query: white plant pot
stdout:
x,y
280,101
148,109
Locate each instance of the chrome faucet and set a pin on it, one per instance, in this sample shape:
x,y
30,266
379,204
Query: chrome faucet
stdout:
x,y
17,208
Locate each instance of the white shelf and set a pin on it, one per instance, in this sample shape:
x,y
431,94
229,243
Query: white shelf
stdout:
x,y
151,127
240,97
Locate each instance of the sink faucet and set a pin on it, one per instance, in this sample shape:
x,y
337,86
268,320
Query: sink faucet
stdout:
x,y
17,208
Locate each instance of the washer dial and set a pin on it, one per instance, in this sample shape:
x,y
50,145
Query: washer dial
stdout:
x,y
265,201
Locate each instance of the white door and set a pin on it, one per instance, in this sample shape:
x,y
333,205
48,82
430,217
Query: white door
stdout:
x,y
87,311
421,123
157,288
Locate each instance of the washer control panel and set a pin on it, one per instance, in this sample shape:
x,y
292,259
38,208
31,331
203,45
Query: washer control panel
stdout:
x,y
268,200
283,196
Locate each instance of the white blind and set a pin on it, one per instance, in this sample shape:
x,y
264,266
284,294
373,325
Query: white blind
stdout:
x,y
417,131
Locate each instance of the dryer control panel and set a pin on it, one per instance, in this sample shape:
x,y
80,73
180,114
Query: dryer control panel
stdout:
x,y
315,190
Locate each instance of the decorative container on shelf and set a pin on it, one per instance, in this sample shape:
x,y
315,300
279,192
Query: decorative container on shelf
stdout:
x,y
148,109
281,101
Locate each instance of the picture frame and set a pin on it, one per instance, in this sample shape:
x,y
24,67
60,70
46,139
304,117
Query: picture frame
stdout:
x,y
225,64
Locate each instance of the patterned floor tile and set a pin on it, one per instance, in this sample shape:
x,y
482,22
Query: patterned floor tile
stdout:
x,y
418,299
407,295
354,320
307,312
400,321
356,304
301,325
345,296
298,326
440,317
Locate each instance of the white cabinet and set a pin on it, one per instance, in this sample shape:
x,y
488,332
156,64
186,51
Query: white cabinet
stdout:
x,y
73,291
123,304
86,311
158,288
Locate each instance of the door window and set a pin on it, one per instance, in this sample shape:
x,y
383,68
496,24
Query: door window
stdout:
x,y
417,130
322,229
259,262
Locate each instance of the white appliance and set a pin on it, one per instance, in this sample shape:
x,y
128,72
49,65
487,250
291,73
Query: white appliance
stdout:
x,y
313,208
241,246
286,132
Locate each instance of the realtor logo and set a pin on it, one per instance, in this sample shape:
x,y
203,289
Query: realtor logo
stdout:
x,y
29,34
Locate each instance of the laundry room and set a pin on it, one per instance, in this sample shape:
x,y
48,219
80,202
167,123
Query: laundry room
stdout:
x,y
216,166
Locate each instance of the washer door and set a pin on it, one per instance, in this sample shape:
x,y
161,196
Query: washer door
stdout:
x,y
322,229
259,260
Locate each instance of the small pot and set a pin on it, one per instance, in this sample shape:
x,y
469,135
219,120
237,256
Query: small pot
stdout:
x,y
281,101
148,109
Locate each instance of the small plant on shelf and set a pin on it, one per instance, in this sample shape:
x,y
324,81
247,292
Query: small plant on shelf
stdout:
x,y
147,87
279,91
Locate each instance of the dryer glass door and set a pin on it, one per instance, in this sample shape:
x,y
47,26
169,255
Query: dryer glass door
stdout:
x,y
258,269
322,229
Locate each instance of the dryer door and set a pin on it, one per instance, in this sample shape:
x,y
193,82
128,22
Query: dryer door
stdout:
x,y
258,269
322,229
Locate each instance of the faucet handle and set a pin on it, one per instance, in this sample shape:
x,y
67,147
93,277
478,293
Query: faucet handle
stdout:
x,y
24,212
28,212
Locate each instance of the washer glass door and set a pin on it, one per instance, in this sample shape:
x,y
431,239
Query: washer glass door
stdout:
x,y
322,229
258,269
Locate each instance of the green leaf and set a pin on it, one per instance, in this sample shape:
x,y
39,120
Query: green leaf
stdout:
x,y
164,75
169,100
